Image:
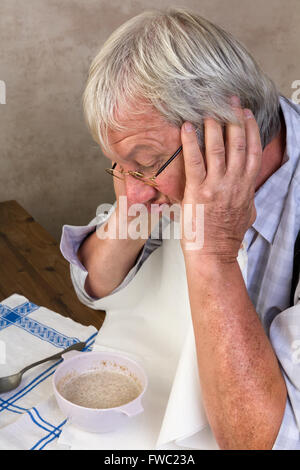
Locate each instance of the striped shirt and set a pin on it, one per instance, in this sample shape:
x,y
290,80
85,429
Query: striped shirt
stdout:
x,y
270,247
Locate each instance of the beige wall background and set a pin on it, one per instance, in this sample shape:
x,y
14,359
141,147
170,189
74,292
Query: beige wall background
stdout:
x,y
48,161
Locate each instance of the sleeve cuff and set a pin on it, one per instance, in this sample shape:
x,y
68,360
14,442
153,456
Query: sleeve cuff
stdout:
x,y
288,437
73,236
78,277
284,337
71,239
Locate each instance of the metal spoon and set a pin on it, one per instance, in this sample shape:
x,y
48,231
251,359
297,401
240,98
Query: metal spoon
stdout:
x,y
12,381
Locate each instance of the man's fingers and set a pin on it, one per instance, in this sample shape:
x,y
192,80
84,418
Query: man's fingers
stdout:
x,y
195,171
254,148
236,141
214,149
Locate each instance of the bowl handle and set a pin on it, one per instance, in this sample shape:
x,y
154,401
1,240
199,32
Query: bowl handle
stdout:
x,y
132,409
70,354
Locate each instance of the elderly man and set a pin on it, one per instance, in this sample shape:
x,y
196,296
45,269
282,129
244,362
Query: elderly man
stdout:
x,y
159,77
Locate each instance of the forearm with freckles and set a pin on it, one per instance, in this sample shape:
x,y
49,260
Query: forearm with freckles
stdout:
x,y
243,390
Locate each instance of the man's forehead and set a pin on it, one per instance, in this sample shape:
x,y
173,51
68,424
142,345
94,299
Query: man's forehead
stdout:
x,y
136,109
135,119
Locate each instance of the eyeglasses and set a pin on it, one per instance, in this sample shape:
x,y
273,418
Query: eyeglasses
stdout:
x,y
139,175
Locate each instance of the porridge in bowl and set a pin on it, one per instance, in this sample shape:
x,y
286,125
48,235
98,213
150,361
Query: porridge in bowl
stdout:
x,y
100,389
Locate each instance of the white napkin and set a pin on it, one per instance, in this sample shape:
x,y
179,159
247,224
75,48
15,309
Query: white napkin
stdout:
x,y
185,424
150,321
29,415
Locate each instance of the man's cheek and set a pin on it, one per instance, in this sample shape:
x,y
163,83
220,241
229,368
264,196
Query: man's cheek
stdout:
x,y
176,192
173,189
169,191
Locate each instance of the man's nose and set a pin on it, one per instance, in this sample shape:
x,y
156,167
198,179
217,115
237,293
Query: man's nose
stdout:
x,y
138,192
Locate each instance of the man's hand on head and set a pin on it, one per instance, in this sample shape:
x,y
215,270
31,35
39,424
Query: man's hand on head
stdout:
x,y
224,183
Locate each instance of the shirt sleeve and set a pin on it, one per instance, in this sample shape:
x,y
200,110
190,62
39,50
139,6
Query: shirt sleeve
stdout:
x,y
73,236
285,339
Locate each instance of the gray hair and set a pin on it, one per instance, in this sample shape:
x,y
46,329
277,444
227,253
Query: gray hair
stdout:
x,y
185,67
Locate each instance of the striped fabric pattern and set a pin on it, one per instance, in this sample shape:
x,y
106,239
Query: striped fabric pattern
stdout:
x,y
29,415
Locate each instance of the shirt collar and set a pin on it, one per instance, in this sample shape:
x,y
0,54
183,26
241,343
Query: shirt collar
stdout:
x,y
270,197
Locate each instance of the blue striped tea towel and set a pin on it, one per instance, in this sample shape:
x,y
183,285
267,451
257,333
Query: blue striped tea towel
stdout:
x,y
29,415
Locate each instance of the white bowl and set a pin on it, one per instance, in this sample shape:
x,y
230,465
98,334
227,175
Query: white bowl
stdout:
x,y
94,419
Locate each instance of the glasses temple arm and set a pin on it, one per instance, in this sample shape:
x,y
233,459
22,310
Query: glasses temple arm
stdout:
x,y
168,161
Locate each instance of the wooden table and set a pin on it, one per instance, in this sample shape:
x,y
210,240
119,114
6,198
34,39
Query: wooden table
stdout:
x,y
32,265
